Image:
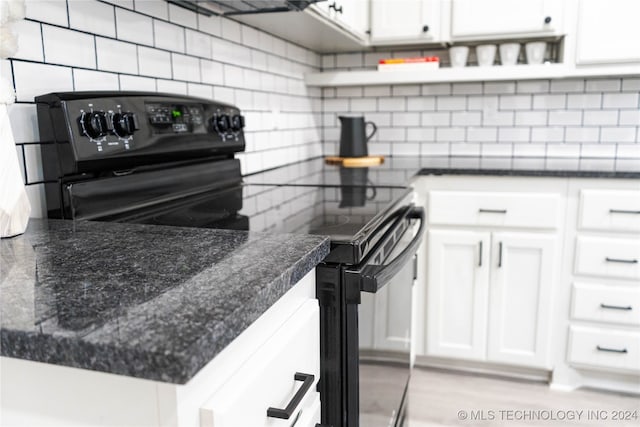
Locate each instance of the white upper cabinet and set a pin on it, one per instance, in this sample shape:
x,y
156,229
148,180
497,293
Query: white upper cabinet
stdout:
x,y
486,19
353,14
608,31
406,21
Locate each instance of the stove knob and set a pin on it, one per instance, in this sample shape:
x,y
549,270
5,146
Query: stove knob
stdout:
x,y
124,124
237,122
221,123
94,124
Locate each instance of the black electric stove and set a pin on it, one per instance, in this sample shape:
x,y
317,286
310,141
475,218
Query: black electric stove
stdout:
x,y
169,160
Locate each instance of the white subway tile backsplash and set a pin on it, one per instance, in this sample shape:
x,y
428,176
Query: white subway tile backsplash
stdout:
x,y
30,82
133,27
598,151
391,134
483,103
529,150
421,103
565,117
630,85
467,88
498,118
515,134
198,44
435,149
499,88
496,150
628,151
95,80
377,91
466,118
348,91
33,161
24,123
328,61
168,36
29,40
482,134
371,59
437,89
155,8
57,43
20,155
533,86
405,90
364,104
549,102
201,91
531,118
186,67
441,118
154,63
405,119
211,72
421,134
405,149
51,11
620,100
584,100
338,105
618,134
137,83
171,86
117,56
570,85
582,134
630,117
380,119
345,60
92,16
450,134
231,30
600,117
211,25
181,16
515,102
392,104
465,149
603,85
451,103
233,76
561,150
547,134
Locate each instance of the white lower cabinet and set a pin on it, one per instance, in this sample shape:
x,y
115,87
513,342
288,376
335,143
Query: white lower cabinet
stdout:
x,y
488,296
283,369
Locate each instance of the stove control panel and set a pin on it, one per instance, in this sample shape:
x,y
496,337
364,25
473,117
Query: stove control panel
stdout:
x,y
120,129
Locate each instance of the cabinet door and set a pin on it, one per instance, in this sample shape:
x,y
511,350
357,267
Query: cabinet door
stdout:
x,y
608,31
354,15
522,274
394,20
486,18
457,291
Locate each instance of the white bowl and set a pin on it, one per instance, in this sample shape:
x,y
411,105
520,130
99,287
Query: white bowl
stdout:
x,y
486,54
458,56
535,52
509,53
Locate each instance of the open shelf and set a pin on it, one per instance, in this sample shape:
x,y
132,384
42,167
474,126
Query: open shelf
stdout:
x,y
466,74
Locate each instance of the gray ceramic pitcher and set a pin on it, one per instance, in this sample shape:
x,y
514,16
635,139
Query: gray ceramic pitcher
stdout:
x,y
353,137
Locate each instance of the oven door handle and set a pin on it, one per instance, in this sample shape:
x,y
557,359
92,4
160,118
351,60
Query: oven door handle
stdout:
x,y
373,277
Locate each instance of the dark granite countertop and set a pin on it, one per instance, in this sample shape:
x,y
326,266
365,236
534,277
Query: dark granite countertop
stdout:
x,y
145,301
398,170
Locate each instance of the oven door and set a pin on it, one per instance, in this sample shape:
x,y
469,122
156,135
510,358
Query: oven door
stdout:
x,y
386,281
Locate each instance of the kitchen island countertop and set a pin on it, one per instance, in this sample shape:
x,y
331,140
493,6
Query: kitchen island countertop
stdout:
x,y
145,301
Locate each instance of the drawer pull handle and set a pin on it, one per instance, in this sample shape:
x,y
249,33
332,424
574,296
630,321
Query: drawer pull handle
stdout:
x,y
285,414
500,211
624,211
480,255
623,261
616,307
611,350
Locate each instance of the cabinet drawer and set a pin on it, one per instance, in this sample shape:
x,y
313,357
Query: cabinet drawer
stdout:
x,y
605,348
268,378
494,209
610,210
601,303
600,256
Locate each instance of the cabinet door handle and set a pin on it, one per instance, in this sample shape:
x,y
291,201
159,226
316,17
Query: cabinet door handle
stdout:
x,y
499,211
547,20
480,255
623,261
335,7
285,414
611,350
624,211
499,254
425,28
616,307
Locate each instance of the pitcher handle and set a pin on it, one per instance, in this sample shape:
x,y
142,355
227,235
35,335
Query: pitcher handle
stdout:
x,y
375,129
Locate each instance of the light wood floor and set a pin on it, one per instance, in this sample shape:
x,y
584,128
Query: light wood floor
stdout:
x,y
436,398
